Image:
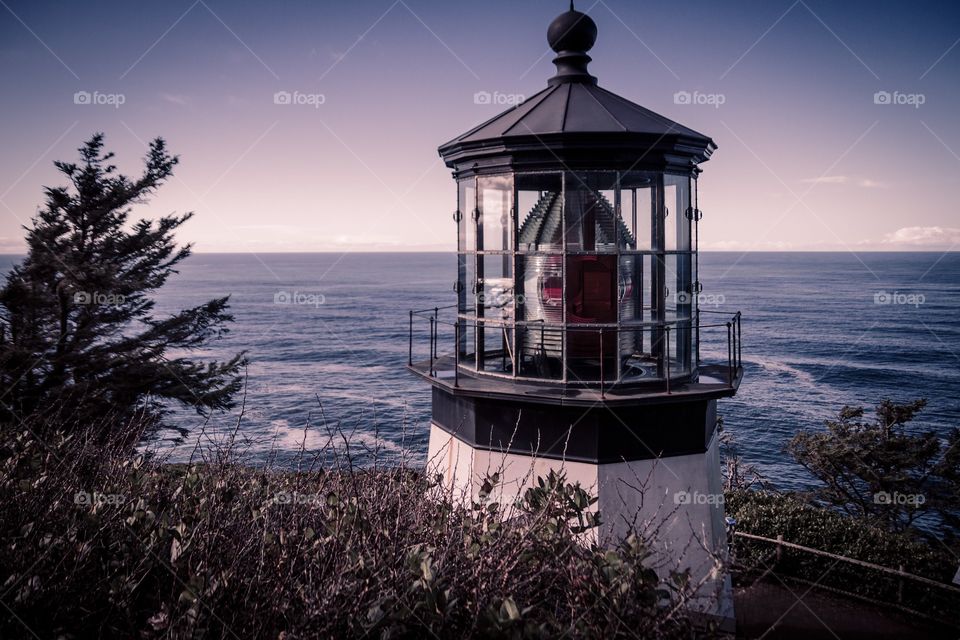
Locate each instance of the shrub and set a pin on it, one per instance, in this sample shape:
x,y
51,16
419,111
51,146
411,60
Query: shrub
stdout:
x,y
769,515
96,543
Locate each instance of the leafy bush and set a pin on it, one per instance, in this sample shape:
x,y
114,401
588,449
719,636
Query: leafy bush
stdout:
x,y
769,515
96,543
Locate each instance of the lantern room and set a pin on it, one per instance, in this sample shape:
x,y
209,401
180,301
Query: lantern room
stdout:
x,y
577,233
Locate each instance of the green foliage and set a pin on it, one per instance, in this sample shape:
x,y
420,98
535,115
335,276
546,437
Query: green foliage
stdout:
x,y
884,470
769,515
224,550
76,322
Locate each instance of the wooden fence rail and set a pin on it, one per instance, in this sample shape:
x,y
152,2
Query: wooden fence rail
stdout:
x,y
781,543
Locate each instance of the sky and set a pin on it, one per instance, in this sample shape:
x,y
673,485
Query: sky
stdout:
x,y
835,121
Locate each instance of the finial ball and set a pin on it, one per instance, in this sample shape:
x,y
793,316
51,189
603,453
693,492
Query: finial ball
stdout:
x,y
572,31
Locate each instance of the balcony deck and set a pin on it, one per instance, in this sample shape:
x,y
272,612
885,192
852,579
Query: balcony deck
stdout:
x,y
713,381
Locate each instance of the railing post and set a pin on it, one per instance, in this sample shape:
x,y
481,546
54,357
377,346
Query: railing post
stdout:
x,y
698,337
729,354
900,587
602,396
667,338
739,342
456,354
433,325
779,547
410,345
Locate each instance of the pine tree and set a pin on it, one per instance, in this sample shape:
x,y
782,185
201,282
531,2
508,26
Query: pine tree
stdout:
x,y
77,331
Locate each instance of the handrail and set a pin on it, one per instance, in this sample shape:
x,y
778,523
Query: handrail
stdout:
x,y
660,351
897,572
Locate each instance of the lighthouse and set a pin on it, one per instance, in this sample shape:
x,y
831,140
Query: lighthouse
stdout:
x,y
576,343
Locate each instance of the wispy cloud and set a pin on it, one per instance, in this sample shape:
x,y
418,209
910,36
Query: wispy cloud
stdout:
x,y
923,237
866,183
177,99
826,180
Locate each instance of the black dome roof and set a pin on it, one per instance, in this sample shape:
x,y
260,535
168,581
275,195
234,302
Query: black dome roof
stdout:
x,y
575,123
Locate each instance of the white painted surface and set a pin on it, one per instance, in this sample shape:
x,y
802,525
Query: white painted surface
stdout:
x,y
646,496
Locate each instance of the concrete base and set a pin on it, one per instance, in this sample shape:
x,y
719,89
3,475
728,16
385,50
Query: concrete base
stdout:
x,y
675,503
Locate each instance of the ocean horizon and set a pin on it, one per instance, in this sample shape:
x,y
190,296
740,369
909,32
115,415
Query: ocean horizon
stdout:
x,y
820,330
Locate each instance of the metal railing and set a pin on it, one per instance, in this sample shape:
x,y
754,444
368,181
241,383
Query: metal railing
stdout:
x,y
589,354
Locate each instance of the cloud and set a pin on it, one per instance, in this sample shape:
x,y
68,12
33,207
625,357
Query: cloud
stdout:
x,y
866,183
15,246
177,99
923,237
826,180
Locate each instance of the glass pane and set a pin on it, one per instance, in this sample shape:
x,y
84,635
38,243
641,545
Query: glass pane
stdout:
x,y
680,348
496,213
591,290
467,225
591,354
540,212
539,351
462,284
540,280
495,343
695,214
637,359
686,295
468,343
496,298
637,207
672,295
677,203
634,288
467,284
590,219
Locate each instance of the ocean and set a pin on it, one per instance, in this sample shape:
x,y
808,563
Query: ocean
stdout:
x,y
326,336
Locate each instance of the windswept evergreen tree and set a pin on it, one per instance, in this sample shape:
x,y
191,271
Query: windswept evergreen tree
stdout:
x,y
885,469
77,330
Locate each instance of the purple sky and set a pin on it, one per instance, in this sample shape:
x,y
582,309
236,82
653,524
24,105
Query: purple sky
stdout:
x,y
807,157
